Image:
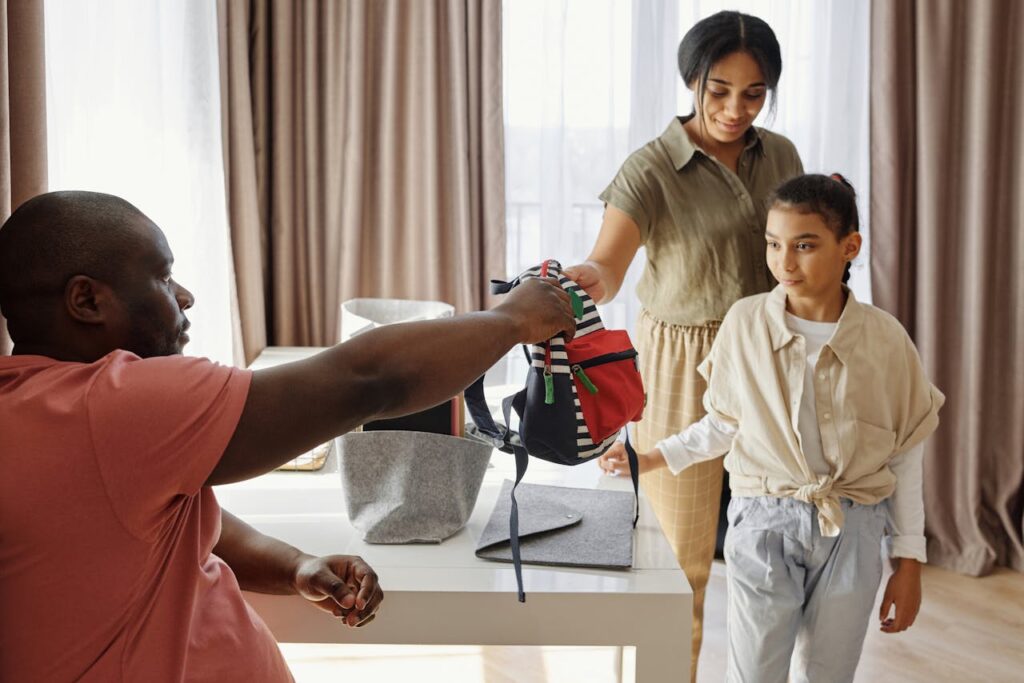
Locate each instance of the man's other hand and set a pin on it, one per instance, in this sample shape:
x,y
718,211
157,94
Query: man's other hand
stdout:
x,y
343,585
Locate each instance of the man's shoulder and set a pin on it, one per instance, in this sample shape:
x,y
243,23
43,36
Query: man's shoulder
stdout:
x,y
123,378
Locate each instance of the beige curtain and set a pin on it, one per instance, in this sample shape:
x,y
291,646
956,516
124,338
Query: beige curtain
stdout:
x,y
22,111
363,145
947,209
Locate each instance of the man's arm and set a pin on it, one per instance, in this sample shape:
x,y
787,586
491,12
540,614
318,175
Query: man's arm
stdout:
x,y
340,584
393,370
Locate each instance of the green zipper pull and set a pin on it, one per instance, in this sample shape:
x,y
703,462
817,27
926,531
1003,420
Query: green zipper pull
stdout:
x,y
549,388
577,304
584,379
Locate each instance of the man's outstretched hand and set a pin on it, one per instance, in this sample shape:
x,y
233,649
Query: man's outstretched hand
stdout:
x,y
343,585
541,309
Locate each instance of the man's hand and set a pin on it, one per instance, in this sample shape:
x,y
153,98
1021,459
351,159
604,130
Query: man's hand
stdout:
x,y
903,591
615,461
588,276
541,309
343,585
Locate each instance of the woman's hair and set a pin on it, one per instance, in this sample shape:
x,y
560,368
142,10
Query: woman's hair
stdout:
x,y
722,34
831,197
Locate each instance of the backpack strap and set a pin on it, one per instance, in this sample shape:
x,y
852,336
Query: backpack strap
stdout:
x,y
486,429
522,460
503,287
634,474
503,439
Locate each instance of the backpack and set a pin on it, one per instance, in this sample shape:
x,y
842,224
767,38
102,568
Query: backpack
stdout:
x,y
578,397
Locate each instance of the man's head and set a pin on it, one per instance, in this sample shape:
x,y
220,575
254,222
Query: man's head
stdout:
x,y
84,273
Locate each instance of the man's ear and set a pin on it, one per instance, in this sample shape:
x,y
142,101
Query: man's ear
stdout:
x,y
851,245
87,300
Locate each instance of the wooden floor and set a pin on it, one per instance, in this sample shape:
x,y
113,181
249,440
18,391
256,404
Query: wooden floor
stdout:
x,y
968,630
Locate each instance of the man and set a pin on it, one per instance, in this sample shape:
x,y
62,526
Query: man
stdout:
x,y
116,562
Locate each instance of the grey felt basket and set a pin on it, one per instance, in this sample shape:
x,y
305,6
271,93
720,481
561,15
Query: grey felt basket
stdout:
x,y
410,487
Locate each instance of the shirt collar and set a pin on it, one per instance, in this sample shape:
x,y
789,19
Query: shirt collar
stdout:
x,y
681,149
843,340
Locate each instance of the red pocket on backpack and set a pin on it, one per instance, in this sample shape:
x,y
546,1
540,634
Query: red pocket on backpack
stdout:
x,y
607,378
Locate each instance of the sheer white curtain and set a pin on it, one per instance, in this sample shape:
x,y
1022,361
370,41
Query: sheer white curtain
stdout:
x,y
133,109
588,81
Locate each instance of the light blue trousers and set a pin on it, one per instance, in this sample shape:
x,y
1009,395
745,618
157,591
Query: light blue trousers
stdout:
x,y
799,603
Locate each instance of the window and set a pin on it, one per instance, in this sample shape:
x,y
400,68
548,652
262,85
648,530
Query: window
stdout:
x,y
588,81
133,109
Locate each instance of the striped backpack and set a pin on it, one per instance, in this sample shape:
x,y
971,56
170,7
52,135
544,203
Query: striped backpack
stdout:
x,y
578,396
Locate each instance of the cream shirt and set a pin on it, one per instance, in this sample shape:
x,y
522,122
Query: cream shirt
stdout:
x,y
872,402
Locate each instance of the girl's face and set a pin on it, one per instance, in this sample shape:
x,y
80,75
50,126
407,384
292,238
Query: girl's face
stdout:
x,y
734,96
804,254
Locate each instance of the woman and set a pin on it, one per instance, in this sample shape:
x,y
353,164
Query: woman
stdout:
x,y
695,198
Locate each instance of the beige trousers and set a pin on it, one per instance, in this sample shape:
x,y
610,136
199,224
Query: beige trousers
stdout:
x,y
686,505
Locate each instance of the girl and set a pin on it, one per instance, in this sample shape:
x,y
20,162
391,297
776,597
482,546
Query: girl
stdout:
x,y
696,199
823,406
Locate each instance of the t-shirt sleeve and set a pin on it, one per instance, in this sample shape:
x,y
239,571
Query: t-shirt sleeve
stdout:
x,y
159,426
631,192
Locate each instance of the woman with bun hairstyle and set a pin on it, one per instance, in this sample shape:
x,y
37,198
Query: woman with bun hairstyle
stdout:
x,y
695,198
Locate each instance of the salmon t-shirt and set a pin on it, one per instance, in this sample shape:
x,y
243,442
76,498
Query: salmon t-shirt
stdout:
x,y
106,529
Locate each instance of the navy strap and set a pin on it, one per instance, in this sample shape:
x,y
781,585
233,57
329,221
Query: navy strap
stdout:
x,y
634,474
522,460
502,287
486,429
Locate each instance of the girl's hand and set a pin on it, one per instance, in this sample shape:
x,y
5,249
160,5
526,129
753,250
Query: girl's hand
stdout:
x,y
588,276
903,591
615,462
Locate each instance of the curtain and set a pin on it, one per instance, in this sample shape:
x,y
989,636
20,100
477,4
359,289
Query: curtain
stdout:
x,y
363,147
947,173
134,110
22,111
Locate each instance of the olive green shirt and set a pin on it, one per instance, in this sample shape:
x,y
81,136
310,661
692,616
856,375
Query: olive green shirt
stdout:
x,y
701,223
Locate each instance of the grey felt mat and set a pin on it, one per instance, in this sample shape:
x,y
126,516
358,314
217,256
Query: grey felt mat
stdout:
x,y
562,526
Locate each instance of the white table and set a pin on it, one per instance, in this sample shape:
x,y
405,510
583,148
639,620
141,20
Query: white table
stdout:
x,y
444,594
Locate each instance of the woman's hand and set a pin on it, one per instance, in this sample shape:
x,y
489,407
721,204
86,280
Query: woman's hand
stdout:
x,y
588,276
615,462
602,273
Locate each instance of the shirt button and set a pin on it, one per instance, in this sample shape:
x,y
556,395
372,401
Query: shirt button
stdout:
x,y
821,375
827,416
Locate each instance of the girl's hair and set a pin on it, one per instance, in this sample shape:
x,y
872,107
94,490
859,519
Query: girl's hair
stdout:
x,y
831,197
722,34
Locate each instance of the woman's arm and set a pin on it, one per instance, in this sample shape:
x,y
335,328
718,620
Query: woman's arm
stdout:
x,y
602,273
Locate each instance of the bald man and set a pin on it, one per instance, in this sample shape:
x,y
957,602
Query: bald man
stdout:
x,y
116,562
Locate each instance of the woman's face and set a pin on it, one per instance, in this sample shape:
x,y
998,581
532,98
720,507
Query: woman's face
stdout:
x,y
734,96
